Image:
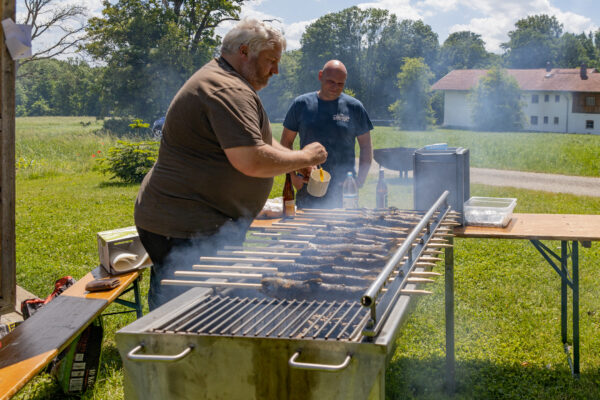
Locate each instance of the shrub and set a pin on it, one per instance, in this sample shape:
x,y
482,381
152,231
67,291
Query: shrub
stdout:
x,y
130,161
127,127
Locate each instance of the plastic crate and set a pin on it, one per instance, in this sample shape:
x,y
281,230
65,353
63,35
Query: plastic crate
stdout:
x,y
489,211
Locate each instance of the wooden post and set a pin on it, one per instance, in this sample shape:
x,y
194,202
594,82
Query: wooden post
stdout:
x,y
8,281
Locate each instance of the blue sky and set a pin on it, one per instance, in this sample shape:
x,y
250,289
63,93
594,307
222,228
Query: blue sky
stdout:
x,y
492,19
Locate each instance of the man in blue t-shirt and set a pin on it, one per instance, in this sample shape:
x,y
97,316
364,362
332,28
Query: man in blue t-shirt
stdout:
x,y
335,120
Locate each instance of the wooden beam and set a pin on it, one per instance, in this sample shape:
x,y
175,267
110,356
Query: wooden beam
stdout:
x,y
8,282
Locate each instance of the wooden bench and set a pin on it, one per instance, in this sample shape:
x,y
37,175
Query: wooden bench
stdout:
x,y
39,339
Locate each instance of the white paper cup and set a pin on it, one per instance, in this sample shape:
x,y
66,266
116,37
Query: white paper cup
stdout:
x,y
315,186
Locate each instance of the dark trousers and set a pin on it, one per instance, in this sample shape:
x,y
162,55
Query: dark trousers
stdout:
x,y
176,254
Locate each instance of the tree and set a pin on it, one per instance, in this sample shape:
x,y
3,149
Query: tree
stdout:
x,y
534,42
151,47
413,109
57,87
400,40
496,102
47,16
462,50
571,51
282,88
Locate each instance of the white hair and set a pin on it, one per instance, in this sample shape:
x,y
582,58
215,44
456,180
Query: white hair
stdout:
x,y
256,34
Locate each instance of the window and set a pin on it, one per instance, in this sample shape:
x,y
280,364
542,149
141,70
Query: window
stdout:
x,y
535,98
589,124
590,101
555,120
545,120
534,120
557,98
546,98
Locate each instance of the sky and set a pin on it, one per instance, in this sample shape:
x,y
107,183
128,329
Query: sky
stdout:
x,y
492,19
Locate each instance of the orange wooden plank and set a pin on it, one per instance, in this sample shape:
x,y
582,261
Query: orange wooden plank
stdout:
x,y
78,289
578,227
15,376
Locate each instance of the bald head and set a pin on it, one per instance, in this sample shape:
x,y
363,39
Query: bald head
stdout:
x,y
333,78
333,66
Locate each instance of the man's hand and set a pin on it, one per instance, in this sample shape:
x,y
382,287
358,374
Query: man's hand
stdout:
x,y
298,180
316,153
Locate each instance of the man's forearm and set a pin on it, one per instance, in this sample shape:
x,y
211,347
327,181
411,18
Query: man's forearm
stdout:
x,y
364,164
267,161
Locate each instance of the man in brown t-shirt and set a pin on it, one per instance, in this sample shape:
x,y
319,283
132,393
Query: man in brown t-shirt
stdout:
x,y
216,160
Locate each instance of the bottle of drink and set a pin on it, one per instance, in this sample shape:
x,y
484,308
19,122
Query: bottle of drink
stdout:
x,y
381,191
350,192
289,205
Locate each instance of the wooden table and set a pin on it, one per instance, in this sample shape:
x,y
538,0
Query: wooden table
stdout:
x,y
565,228
34,343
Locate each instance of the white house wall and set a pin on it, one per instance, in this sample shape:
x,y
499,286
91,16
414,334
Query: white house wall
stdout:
x,y
457,112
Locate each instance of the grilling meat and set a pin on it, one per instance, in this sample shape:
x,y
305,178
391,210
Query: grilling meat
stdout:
x,y
312,288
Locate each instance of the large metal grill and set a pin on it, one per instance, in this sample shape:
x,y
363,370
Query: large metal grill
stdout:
x,y
308,308
270,318
309,249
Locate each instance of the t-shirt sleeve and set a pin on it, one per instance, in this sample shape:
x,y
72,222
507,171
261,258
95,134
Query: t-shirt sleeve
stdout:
x,y
235,116
363,121
291,121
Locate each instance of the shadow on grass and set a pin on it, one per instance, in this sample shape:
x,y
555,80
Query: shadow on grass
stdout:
x,y
408,378
107,184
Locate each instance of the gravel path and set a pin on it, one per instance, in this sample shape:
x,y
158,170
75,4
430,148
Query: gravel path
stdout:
x,y
577,185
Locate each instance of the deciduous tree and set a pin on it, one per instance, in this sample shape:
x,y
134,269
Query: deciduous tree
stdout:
x,y
496,102
412,110
534,42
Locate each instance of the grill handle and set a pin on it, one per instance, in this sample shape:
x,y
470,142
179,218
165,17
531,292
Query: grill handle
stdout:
x,y
318,367
155,357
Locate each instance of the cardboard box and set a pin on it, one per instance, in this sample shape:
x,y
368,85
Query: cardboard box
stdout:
x,y
121,251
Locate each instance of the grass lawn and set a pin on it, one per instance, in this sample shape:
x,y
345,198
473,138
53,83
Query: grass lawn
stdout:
x,y
507,297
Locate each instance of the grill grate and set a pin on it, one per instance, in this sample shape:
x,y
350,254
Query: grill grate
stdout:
x,y
270,318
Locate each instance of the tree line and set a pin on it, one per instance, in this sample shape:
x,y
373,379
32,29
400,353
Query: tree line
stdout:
x,y
141,51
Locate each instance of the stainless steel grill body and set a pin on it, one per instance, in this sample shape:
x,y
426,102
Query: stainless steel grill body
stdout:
x,y
241,344
248,364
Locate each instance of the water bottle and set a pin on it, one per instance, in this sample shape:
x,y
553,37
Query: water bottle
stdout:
x,y
350,196
381,191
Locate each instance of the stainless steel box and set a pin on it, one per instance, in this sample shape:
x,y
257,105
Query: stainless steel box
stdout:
x,y
435,171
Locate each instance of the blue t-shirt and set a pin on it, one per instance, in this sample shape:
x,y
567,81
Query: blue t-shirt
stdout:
x,y
335,124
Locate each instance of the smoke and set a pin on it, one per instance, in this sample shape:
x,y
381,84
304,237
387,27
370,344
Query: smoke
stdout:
x,y
183,256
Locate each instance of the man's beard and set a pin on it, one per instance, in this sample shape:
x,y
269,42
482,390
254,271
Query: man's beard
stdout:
x,y
250,73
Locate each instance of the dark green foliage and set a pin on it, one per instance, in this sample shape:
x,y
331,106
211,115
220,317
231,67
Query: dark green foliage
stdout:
x,y
130,161
151,48
496,102
55,87
413,109
462,50
534,42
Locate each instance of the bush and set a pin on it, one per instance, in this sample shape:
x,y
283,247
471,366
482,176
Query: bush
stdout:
x,y
130,161
127,127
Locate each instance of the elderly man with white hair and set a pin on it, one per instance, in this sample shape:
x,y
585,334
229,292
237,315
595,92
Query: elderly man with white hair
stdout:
x,y
217,158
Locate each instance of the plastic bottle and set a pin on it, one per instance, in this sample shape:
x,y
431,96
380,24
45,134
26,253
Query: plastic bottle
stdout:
x,y
350,192
381,191
289,203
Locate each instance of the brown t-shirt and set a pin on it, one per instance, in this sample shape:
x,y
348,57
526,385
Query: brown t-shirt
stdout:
x,y
192,188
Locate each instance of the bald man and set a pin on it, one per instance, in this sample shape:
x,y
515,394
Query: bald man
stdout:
x,y
337,121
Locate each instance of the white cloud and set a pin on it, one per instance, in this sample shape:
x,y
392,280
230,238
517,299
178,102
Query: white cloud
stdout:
x,y
402,8
499,18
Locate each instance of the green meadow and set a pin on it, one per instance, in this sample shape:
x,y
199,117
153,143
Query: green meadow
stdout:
x,y
507,297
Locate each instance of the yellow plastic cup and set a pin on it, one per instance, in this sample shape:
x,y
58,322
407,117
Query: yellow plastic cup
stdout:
x,y
316,187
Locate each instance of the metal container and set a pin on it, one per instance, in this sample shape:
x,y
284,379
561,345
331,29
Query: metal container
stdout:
x,y
435,171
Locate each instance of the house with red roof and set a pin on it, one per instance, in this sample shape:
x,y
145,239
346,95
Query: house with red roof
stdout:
x,y
554,99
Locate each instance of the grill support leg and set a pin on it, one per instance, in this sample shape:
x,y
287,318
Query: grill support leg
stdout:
x,y
449,305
